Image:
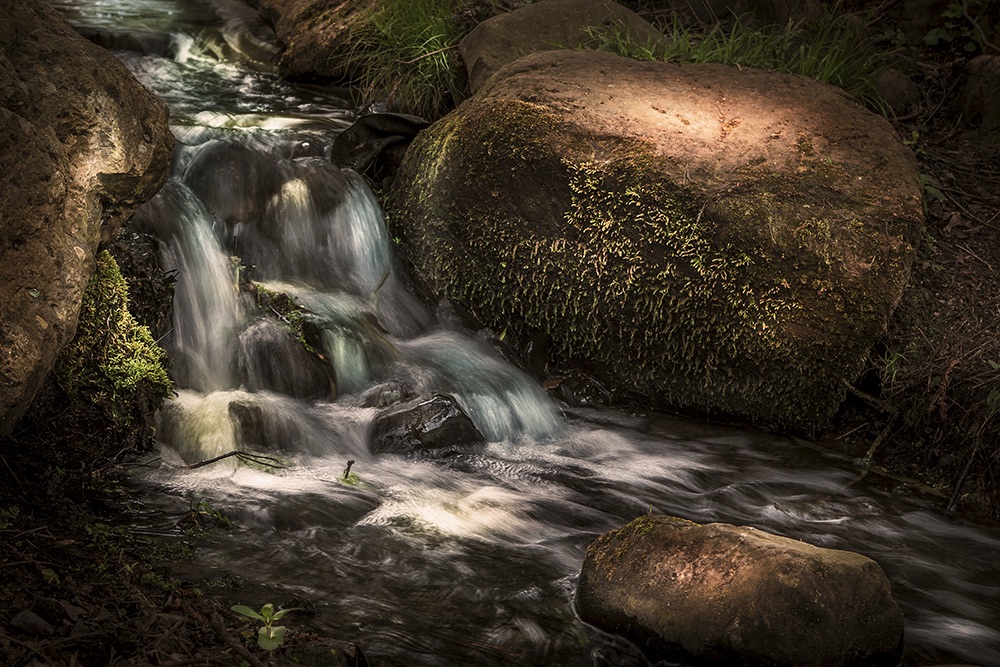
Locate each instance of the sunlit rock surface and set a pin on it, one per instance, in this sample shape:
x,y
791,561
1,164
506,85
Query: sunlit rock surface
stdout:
x,y
543,26
729,595
82,144
715,240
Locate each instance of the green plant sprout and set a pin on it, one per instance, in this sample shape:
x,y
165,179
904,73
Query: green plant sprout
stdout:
x,y
269,636
350,478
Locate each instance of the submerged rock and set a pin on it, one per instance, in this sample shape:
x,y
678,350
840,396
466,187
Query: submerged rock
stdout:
x,y
270,357
82,144
718,594
714,240
437,425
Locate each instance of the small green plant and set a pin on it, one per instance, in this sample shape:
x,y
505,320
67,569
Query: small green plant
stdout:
x,y
350,478
958,30
269,635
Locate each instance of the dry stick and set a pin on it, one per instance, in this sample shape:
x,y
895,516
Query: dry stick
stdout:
x,y
961,478
975,24
220,630
31,648
259,459
866,460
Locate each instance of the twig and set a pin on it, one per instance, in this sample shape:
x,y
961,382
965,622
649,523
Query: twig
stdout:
x,y
227,639
31,648
12,473
975,24
961,478
427,55
866,461
259,459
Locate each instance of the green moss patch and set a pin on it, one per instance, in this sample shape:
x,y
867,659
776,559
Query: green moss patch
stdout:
x,y
753,299
113,362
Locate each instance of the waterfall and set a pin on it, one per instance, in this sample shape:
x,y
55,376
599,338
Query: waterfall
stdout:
x,y
294,333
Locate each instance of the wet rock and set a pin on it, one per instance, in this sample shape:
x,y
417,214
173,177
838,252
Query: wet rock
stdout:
x,y
150,288
249,426
729,595
310,32
146,43
368,137
437,425
83,144
232,181
269,357
710,239
898,91
543,26
385,394
980,96
31,623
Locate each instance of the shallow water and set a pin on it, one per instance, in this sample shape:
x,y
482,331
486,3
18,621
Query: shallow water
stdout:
x,y
466,558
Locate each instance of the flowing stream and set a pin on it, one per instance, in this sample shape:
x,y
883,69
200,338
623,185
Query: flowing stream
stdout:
x,y
469,558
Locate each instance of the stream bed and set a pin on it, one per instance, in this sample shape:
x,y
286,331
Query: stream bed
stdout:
x,y
463,558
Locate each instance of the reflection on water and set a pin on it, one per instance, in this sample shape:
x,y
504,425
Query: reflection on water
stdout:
x,y
464,558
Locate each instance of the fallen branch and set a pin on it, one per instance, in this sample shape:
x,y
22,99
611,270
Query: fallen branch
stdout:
x,y
245,457
220,630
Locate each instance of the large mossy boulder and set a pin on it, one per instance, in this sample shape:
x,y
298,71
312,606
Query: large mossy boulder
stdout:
x,y
82,144
706,238
718,594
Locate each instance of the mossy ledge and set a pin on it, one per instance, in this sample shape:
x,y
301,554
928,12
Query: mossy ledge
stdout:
x,y
113,363
683,299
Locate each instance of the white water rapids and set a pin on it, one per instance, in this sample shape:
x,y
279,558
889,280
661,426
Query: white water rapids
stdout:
x,y
458,560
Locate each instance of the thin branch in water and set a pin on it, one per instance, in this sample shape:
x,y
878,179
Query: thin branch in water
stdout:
x,y
245,457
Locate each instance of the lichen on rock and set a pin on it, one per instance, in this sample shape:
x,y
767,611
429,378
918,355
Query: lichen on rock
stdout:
x,y
718,241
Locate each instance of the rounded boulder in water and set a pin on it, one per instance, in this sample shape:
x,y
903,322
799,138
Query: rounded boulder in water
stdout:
x,y
733,595
234,182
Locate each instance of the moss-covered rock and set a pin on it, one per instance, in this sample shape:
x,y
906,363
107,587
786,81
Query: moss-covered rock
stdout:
x,y
82,145
720,241
113,364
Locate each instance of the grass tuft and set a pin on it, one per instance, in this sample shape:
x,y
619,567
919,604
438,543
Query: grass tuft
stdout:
x,y
405,52
829,50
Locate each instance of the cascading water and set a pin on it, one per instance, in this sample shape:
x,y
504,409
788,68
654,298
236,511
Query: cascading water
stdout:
x,y
468,558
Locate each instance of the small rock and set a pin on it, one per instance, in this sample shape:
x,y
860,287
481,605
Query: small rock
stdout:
x,y
32,624
897,90
980,96
436,425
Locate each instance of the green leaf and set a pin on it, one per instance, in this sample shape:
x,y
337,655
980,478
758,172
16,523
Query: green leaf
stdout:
x,y
994,365
350,480
268,612
271,638
244,610
278,614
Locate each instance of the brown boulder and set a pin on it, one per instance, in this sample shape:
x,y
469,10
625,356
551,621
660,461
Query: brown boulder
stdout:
x,y
718,594
544,26
82,145
980,94
710,239
312,32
